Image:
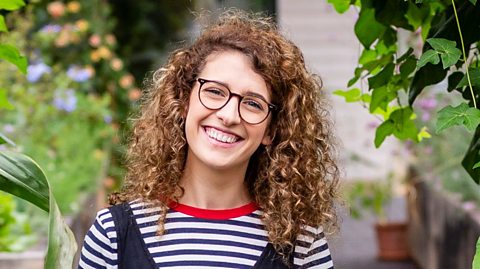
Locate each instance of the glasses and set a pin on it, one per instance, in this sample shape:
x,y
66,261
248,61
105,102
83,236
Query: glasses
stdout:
x,y
252,108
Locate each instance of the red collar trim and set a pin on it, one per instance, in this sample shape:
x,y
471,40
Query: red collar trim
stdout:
x,y
216,214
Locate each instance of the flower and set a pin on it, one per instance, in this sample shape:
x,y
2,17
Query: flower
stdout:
x,y
111,40
107,119
427,103
94,40
134,94
116,64
56,9
51,28
36,71
79,74
82,25
73,7
104,52
126,81
65,100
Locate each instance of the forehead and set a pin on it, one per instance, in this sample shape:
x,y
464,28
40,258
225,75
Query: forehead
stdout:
x,y
235,70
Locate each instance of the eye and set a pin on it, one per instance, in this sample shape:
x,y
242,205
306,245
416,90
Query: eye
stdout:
x,y
253,104
214,92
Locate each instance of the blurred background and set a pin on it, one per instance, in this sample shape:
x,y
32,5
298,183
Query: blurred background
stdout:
x,y
87,61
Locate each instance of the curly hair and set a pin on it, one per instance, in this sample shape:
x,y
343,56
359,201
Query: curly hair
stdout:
x,y
293,180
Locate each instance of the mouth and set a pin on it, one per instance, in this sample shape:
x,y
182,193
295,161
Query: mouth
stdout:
x,y
221,136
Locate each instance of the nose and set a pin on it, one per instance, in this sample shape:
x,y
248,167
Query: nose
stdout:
x,y
229,113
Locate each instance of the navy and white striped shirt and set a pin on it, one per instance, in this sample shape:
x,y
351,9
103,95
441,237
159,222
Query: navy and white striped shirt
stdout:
x,y
233,238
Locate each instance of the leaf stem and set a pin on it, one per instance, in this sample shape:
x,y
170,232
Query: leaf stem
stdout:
x,y
464,55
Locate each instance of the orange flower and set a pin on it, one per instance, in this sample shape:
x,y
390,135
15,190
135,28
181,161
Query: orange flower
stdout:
x,y
116,64
104,52
94,40
126,81
56,9
73,7
111,40
95,56
82,25
134,94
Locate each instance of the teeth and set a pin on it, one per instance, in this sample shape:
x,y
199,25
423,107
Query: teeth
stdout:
x,y
222,137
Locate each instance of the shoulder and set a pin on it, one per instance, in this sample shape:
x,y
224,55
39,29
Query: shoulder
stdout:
x,y
311,249
100,244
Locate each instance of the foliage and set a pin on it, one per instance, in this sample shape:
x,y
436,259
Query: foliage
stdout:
x,y
450,40
12,224
369,196
21,176
60,96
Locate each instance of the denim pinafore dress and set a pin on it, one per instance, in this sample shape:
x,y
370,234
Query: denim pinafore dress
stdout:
x,y
133,253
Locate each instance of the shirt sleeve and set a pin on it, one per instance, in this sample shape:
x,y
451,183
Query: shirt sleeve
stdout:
x,y
311,250
100,244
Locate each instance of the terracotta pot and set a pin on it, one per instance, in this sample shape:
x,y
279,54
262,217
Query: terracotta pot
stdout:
x,y
392,241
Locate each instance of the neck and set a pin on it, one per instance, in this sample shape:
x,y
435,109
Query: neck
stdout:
x,y
210,188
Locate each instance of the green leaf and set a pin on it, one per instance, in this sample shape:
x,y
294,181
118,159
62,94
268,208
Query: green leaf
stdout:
x,y
3,26
416,15
5,140
381,78
11,4
11,54
367,28
477,165
460,115
21,176
476,258
474,2
352,95
408,66
447,49
474,78
404,127
4,103
381,97
472,157
385,129
341,6
430,56
367,56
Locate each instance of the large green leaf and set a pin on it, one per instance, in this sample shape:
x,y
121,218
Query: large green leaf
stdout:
x,y
367,28
425,76
429,56
381,78
447,49
473,157
476,258
21,176
4,103
341,6
3,26
11,54
11,4
460,115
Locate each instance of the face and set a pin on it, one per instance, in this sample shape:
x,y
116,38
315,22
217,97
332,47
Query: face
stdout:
x,y
220,139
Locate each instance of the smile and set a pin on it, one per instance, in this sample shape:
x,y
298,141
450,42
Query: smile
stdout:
x,y
221,136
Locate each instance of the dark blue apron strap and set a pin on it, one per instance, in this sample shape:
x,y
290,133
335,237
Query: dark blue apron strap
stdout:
x,y
132,251
270,259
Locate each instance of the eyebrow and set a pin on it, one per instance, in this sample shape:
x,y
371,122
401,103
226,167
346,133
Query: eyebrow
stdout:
x,y
247,93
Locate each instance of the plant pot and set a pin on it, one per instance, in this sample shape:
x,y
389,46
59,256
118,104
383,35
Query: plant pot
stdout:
x,y
392,241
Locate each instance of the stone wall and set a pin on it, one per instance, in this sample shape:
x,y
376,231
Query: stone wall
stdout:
x,y
443,230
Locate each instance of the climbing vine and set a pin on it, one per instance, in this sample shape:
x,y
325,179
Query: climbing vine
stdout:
x,y
449,32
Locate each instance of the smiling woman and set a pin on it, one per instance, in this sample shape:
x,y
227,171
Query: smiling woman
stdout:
x,y
230,163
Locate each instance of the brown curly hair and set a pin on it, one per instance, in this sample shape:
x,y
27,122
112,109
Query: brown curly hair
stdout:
x,y
293,180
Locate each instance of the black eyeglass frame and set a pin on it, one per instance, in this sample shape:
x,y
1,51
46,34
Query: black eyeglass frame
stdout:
x,y
201,81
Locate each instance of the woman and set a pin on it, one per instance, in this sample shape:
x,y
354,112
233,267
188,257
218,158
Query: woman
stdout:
x,y
230,164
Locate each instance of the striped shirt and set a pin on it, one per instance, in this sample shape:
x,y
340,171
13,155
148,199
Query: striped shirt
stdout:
x,y
199,238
